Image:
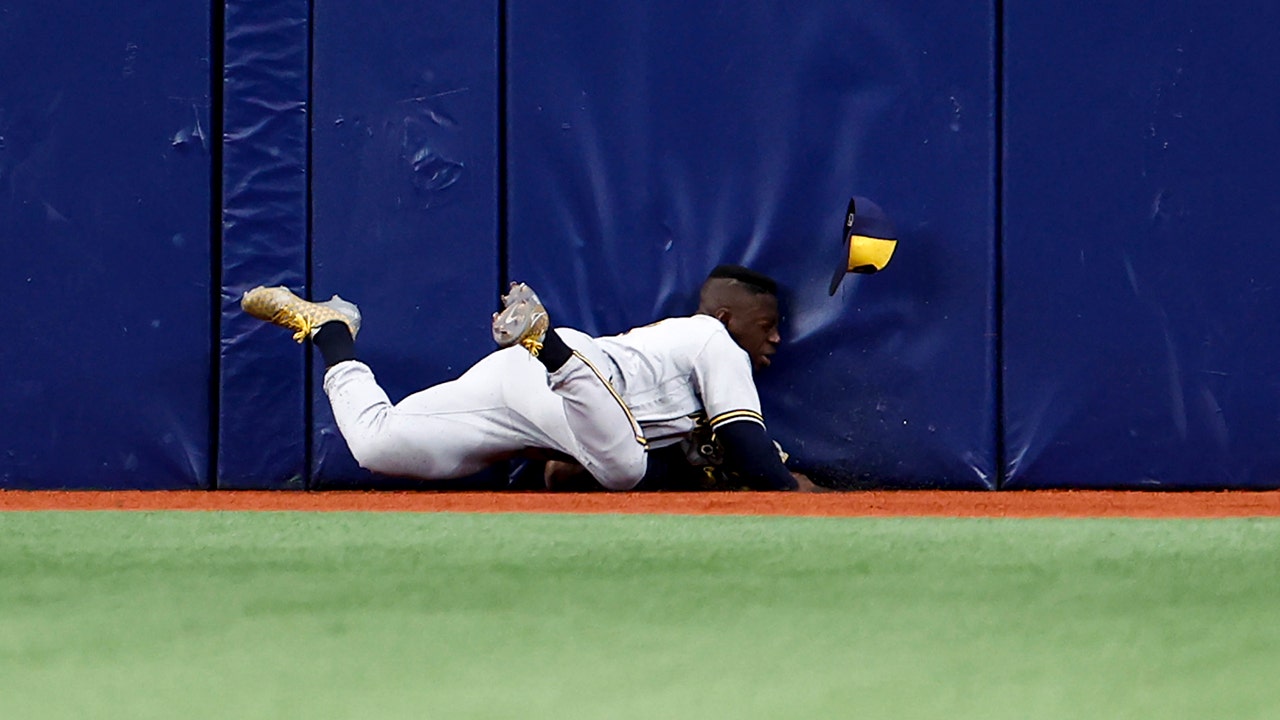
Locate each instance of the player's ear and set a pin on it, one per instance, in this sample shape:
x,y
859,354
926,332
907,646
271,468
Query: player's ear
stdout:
x,y
723,315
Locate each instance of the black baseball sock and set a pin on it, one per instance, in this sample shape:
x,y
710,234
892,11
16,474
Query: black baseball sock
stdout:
x,y
335,343
554,353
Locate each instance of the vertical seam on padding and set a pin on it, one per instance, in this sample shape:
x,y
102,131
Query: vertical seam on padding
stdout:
x,y
997,256
217,62
308,393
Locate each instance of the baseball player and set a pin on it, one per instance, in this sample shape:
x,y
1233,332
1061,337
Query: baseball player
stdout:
x,y
604,402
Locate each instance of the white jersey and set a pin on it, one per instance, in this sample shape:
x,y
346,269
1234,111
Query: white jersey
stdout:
x,y
680,371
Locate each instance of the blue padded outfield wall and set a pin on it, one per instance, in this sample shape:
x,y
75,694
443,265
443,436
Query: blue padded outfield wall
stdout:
x,y
651,142
405,192
1082,294
104,238
1141,199
261,437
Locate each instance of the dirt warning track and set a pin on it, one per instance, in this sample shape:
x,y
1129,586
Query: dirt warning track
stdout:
x,y
1043,503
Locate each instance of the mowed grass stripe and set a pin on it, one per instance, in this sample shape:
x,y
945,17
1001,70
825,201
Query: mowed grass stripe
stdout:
x,y
336,615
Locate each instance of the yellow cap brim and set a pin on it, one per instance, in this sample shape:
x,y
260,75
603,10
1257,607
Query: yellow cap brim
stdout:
x,y
868,254
863,255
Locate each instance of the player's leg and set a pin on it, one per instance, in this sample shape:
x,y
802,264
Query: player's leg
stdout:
x,y
613,447
445,431
610,444
450,430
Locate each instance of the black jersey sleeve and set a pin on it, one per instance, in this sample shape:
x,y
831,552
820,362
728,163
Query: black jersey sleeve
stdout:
x,y
749,454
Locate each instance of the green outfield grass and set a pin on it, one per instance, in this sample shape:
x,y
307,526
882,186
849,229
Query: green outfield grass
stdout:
x,y
294,615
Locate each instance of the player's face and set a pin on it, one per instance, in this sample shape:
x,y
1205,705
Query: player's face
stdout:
x,y
754,326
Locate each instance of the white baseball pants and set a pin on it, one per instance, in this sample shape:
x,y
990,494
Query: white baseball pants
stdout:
x,y
504,404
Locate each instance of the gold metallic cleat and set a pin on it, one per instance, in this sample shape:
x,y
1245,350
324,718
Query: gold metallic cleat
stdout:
x,y
278,306
523,320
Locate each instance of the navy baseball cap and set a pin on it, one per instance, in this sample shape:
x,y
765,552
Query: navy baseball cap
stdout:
x,y
867,241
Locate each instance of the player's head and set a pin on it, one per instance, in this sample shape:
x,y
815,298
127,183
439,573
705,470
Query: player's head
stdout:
x,y
747,303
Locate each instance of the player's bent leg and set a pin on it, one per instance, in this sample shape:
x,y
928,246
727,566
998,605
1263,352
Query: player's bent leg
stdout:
x,y
611,444
450,430
606,438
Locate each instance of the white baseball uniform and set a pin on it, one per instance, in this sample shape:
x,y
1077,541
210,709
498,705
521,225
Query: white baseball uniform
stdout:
x,y
612,400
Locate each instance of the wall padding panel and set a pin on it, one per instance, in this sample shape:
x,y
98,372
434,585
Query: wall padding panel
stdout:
x,y
405,192
104,227
1140,214
262,429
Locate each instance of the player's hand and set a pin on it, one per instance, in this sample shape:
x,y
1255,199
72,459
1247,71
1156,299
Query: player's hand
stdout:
x,y
804,484
564,475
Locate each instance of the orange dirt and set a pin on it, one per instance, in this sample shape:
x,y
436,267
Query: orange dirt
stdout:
x,y
1044,503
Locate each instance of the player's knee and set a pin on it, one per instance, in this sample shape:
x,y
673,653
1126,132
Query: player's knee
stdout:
x,y
376,453
619,482
390,453
623,475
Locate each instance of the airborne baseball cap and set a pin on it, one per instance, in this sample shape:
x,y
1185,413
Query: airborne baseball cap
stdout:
x,y
867,239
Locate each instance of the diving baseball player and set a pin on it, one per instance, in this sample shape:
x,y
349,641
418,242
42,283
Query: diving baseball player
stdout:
x,y
605,402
